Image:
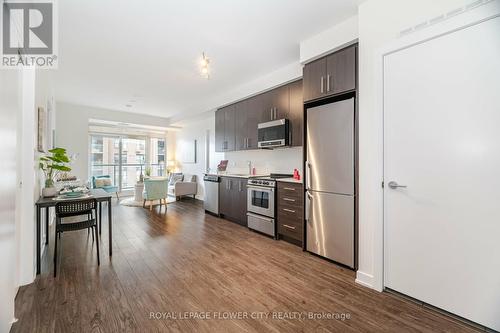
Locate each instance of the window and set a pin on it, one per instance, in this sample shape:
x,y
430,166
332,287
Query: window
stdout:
x,y
125,165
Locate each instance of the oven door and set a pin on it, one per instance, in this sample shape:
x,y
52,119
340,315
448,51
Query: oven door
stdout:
x,y
261,200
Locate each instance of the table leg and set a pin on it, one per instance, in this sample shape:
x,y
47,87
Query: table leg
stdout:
x,y
110,221
100,217
38,213
47,209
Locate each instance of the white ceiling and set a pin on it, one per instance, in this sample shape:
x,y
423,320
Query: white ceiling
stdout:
x,y
115,51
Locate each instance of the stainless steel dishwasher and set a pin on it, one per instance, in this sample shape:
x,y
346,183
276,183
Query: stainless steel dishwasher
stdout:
x,y
211,202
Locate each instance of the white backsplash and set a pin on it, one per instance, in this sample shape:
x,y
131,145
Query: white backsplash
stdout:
x,y
266,161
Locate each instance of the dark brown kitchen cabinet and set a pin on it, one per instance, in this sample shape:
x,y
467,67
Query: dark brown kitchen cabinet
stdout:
x,y
233,199
290,212
273,104
314,79
219,130
246,125
225,122
241,126
341,71
296,113
252,123
330,75
236,125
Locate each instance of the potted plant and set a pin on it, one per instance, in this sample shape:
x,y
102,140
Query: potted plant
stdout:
x,y
52,164
148,172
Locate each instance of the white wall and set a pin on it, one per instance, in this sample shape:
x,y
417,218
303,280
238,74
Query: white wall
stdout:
x,y
327,41
10,93
72,124
36,91
266,161
197,130
380,22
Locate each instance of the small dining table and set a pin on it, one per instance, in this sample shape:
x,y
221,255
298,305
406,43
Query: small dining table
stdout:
x,y
99,194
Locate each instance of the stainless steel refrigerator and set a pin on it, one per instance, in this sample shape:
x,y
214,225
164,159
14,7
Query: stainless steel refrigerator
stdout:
x,y
330,181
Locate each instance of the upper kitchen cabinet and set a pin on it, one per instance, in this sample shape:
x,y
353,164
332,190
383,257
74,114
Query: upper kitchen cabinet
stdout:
x,y
236,125
219,130
273,104
333,74
225,122
314,79
241,128
341,71
296,113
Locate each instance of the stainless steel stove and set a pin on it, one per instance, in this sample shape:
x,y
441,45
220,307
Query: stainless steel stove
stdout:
x,y
261,208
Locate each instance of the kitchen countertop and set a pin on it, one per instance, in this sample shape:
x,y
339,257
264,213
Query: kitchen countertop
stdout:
x,y
237,175
289,180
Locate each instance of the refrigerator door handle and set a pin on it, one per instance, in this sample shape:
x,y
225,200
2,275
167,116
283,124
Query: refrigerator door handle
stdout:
x,y
308,175
308,205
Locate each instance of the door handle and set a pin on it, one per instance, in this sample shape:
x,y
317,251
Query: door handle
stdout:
x,y
328,83
394,185
271,113
288,226
288,210
239,186
275,113
288,199
308,205
308,174
322,88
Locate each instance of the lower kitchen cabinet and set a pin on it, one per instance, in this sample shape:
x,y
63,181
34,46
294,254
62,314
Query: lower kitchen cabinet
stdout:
x,y
233,199
290,209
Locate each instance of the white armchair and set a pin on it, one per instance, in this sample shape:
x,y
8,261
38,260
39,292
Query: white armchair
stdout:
x,y
180,184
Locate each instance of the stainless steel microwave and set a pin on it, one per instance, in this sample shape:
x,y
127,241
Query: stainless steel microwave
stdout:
x,y
273,134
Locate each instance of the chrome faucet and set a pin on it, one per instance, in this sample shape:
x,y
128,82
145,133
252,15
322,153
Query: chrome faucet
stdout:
x,y
249,163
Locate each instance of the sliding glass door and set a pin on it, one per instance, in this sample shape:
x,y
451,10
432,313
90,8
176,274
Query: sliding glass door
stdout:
x,y
125,158
133,161
104,156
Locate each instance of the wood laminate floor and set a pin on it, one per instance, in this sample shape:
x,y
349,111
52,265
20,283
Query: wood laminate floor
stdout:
x,y
168,267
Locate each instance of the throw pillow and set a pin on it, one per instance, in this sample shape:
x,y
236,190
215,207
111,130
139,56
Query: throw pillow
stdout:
x,y
176,177
101,182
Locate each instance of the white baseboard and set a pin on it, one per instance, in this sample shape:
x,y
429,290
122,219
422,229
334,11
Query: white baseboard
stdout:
x,y
364,279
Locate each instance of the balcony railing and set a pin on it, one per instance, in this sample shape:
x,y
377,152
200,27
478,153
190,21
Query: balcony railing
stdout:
x,y
126,175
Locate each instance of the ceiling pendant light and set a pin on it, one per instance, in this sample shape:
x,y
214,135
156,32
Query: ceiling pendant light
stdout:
x,y
204,66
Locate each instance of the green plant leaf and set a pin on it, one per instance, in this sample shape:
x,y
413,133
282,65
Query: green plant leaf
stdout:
x,y
57,151
61,168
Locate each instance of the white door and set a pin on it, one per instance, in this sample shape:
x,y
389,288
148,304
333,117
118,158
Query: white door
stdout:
x,y
442,141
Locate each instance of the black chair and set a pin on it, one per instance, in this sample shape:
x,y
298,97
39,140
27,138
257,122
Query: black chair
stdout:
x,y
88,208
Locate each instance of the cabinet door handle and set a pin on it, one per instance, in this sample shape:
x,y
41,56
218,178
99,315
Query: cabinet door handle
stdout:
x,y
289,210
239,186
275,113
289,188
328,83
322,85
288,199
288,226
271,113
248,142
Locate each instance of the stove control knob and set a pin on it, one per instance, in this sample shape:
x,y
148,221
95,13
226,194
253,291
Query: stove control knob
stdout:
x,y
265,183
